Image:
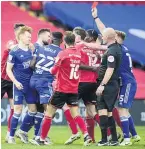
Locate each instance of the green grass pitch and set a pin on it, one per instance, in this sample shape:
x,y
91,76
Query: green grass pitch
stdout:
x,y
59,134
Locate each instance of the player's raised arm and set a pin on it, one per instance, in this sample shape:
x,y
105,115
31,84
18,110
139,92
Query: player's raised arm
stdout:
x,y
99,23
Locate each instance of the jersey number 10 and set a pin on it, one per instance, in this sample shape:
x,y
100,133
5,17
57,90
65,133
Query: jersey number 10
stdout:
x,y
74,71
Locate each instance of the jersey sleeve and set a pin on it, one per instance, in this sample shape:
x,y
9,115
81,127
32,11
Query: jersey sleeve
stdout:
x,y
111,58
11,57
57,64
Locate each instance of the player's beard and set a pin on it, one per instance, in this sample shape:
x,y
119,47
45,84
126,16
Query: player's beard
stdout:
x,y
45,43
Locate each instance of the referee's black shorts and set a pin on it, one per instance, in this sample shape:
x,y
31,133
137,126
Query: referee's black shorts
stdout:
x,y
87,92
6,87
109,96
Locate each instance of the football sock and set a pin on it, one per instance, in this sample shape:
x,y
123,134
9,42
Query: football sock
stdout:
x,y
112,126
14,124
104,126
125,126
90,127
37,122
9,119
28,121
71,121
116,117
79,120
46,124
132,126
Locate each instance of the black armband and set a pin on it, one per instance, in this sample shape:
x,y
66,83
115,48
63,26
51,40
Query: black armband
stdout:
x,y
96,18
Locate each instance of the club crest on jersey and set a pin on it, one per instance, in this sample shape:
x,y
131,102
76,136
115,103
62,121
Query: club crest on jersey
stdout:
x,y
111,58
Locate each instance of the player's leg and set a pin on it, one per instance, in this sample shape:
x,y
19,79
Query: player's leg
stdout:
x,y
103,115
45,94
110,97
3,88
135,136
72,125
28,120
11,101
38,118
57,101
116,116
72,101
90,121
18,101
83,91
127,93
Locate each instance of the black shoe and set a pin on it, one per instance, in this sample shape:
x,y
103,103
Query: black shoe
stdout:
x,y
103,143
114,143
39,142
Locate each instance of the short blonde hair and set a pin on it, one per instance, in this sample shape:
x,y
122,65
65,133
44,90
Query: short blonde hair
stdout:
x,y
121,34
22,30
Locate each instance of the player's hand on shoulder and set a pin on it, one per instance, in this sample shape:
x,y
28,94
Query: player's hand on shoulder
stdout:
x,y
10,45
94,12
18,85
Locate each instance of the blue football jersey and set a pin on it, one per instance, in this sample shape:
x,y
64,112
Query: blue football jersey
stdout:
x,y
126,73
45,58
21,64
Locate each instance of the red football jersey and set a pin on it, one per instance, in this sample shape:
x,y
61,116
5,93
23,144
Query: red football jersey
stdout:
x,y
3,65
4,60
89,58
67,70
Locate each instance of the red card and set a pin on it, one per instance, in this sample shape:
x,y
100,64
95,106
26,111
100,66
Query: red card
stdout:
x,y
94,4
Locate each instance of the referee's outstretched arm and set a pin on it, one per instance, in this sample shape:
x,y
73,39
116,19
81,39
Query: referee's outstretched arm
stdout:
x,y
99,23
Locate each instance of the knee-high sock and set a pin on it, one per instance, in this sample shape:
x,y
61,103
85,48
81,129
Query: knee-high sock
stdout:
x,y
46,124
116,117
97,119
37,122
79,120
131,126
125,126
90,127
103,127
112,126
9,119
28,121
71,121
14,124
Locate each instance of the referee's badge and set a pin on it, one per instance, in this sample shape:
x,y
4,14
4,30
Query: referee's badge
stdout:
x,y
111,58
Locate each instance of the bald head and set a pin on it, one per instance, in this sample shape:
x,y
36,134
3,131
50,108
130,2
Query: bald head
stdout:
x,y
109,35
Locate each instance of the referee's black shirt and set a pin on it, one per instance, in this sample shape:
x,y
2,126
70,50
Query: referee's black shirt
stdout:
x,y
111,59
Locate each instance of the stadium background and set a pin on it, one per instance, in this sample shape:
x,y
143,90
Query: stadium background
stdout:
x,y
61,16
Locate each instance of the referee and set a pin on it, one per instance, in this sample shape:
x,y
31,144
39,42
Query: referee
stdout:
x,y
108,86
